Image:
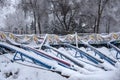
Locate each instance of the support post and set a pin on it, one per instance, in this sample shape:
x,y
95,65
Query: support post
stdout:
x,y
76,38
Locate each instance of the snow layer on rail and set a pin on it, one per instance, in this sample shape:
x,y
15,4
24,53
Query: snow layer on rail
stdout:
x,y
106,65
86,43
21,72
82,70
52,63
31,54
11,41
86,66
64,54
73,52
105,51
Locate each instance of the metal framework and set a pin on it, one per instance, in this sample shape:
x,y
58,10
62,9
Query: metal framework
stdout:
x,y
81,54
101,55
21,55
112,44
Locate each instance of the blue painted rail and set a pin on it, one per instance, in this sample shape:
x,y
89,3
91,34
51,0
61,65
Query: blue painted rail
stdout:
x,y
111,44
71,58
22,54
44,54
102,56
83,54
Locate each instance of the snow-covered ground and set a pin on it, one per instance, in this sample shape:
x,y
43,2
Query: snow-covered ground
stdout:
x,y
22,70
15,71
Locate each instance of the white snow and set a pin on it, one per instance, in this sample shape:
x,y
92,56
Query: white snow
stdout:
x,y
108,75
21,72
16,71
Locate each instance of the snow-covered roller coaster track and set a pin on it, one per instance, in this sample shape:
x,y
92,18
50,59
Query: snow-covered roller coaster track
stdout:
x,y
102,56
46,55
32,56
82,53
71,58
111,44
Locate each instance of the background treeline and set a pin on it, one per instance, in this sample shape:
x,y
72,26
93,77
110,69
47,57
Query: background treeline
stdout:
x,y
62,16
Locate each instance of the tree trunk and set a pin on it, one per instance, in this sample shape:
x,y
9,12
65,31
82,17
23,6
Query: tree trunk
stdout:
x,y
108,26
39,24
101,6
98,23
98,16
94,28
34,23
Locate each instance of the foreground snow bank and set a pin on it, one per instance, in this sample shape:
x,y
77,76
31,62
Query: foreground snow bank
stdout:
x,y
106,75
14,71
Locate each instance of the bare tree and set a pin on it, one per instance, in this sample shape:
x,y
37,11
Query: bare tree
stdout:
x,y
67,16
101,6
38,10
64,14
16,20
